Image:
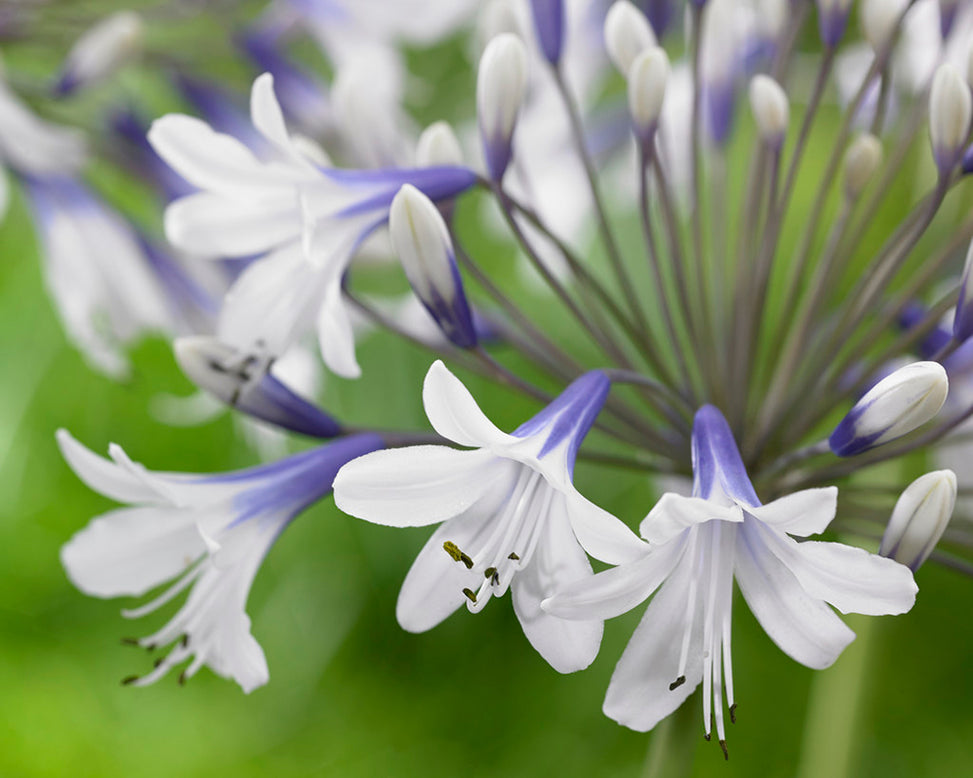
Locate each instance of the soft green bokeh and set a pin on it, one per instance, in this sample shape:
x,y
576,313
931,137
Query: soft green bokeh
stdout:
x,y
351,694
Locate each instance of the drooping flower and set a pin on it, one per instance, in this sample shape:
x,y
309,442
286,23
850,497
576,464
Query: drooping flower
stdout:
x,y
311,219
697,547
511,516
207,532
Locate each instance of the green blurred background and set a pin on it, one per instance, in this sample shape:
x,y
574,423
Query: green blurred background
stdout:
x,y
351,694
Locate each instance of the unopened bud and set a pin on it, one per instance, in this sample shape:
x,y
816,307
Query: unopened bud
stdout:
x,y
862,159
832,20
500,86
421,241
919,518
950,110
438,145
627,34
646,90
549,26
894,407
963,318
879,19
100,51
234,378
771,109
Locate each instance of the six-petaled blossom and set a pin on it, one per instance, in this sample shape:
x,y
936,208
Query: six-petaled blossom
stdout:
x,y
697,546
511,515
207,532
307,218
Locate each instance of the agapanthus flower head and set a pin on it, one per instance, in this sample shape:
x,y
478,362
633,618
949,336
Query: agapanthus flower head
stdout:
x,y
210,533
511,518
697,547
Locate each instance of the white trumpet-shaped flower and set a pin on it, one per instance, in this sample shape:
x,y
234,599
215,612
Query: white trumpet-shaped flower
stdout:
x,y
697,547
511,516
209,533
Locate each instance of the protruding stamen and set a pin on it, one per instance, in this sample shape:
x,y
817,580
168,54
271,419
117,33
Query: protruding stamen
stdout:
x,y
733,713
129,680
677,683
458,556
470,595
513,556
131,642
726,754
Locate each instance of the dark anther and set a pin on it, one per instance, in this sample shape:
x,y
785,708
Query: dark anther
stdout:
x,y
470,595
489,573
733,713
513,557
127,681
677,683
457,554
707,736
158,661
726,754
130,641
182,678
185,641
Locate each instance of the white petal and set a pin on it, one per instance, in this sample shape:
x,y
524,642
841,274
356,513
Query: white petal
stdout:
x,y
103,475
433,588
618,590
336,335
265,112
803,513
601,534
214,161
568,646
804,627
851,579
453,412
211,224
638,695
418,485
131,550
674,513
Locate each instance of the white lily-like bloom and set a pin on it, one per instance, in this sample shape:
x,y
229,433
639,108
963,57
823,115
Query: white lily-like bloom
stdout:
x,y
107,289
511,516
310,219
29,145
207,532
697,547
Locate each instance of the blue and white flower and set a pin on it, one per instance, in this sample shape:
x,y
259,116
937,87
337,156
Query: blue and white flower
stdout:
x,y
511,518
207,532
697,547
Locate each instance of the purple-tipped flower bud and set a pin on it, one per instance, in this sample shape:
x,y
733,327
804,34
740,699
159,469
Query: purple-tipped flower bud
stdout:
x,y
646,90
421,240
950,110
232,377
832,20
500,87
100,51
771,109
627,34
919,518
894,407
963,318
947,16
549,26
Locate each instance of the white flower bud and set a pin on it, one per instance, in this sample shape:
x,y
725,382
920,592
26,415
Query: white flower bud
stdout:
x,y
894,407
500,87
919,518
100,51
771,109
646,90
862,159
438,145
950,110
627,34
879,19
421,241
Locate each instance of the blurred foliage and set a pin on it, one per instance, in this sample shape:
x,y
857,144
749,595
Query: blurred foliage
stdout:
x,y
351,694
